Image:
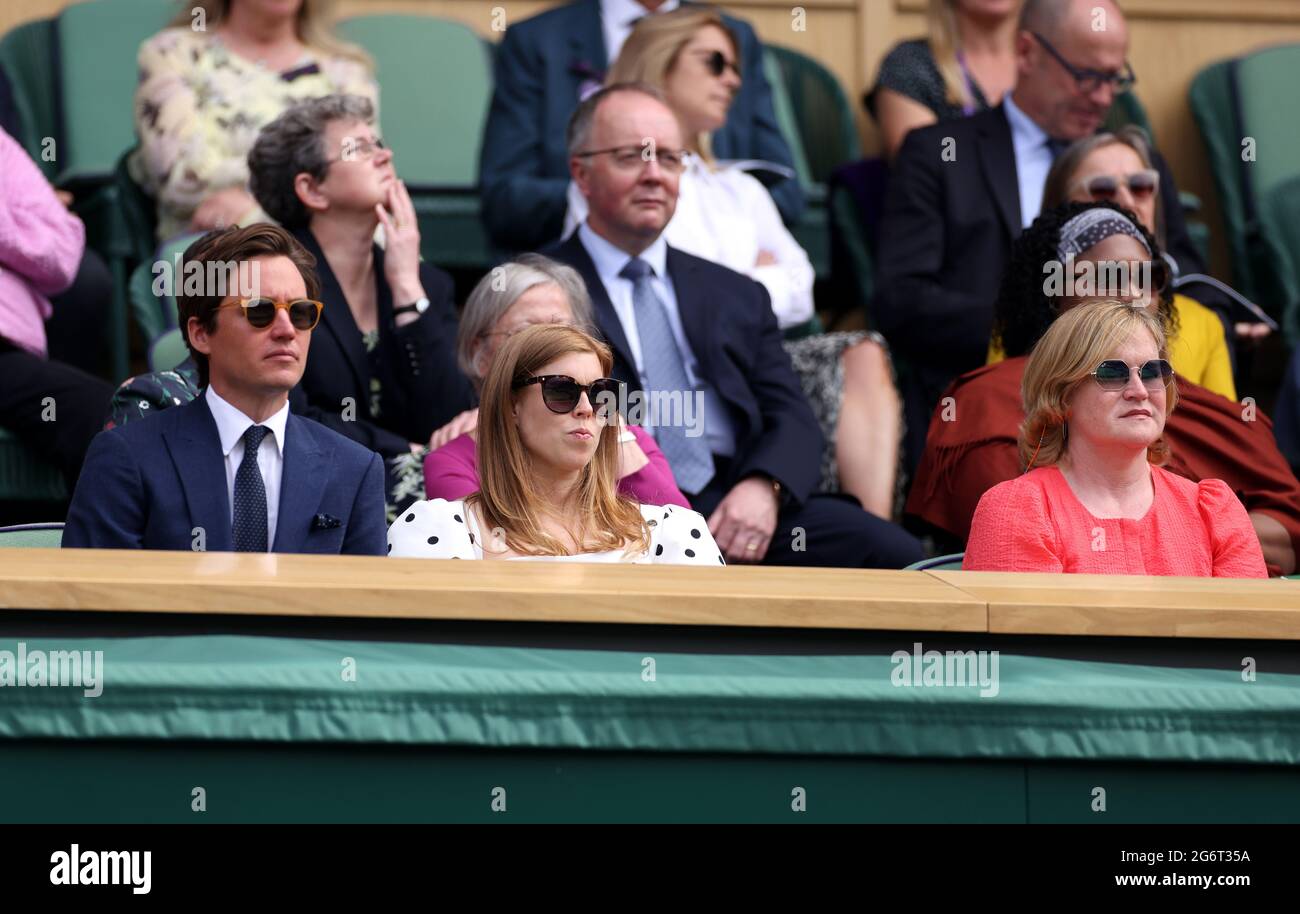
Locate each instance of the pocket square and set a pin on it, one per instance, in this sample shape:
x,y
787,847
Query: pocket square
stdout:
x,y
325,522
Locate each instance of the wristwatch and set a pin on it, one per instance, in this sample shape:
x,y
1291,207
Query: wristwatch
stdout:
x,y
418,307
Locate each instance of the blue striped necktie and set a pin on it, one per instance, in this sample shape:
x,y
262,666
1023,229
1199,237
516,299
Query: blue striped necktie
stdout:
x,y
665,372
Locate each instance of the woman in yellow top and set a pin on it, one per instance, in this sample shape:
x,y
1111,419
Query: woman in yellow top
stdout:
x,y
1117,167
210,82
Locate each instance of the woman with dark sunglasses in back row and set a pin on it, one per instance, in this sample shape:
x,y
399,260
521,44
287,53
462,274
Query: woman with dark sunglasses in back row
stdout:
x,y
548,465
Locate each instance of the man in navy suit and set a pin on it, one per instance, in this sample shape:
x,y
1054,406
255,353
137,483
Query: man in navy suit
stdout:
x,y
686,330
235,470
544,66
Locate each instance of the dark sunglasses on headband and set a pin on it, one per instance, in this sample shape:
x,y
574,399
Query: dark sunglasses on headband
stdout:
x,y
304,313
561,393
1113,374
1141,184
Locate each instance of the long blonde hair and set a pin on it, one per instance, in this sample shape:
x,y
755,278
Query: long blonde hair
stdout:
x,y
941,23
1064,358
313,27
656,44
508,497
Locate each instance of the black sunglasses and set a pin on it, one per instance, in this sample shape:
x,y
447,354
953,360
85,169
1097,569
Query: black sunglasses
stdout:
x,y
716,62
561,393
1113,374
304,313
1088,79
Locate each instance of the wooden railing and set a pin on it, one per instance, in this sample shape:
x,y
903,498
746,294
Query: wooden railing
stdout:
x,y
377,588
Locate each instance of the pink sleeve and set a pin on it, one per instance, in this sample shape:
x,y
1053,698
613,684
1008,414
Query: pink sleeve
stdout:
x,y
39,239
1011,531
450,472
1237,553
653,484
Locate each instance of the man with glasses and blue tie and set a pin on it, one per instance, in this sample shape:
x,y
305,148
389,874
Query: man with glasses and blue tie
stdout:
x,y
699,344
234,470
962,191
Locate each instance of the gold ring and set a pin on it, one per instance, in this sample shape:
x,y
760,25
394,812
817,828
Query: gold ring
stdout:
x,y
752,547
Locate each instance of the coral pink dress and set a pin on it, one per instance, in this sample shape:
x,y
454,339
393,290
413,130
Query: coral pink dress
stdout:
x,y
1036,523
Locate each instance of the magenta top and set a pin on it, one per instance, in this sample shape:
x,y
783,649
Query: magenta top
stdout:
x,y
41,244
451,472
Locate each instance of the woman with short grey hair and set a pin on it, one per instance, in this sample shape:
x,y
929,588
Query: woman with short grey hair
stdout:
x,y
382,369
512,297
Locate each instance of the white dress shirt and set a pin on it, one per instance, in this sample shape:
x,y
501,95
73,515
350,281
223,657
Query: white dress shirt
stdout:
x,y
617,18
609,262
1033,160
231,425
726,215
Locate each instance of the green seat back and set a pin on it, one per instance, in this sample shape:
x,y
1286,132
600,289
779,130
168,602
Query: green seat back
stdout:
x,y
785,118
938,563
1270,114
168,351
32,536
1279,221
25,54
821,110
98,44
435,85
154,314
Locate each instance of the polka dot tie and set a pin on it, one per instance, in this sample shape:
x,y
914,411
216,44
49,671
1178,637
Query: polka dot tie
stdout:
x,y
249,527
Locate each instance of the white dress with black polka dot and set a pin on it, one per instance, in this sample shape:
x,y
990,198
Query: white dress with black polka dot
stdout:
x,y
441,529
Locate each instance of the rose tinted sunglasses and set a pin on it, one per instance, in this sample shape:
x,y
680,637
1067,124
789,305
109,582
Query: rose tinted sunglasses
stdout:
x,y
1113,374
561,393
304,313
1141,184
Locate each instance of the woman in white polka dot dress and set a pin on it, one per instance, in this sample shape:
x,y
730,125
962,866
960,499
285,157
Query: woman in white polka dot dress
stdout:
x,y
548,454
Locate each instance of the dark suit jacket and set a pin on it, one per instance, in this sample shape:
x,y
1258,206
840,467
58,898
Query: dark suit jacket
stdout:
x,y
947,233
421,387
729,322
541,65
147,485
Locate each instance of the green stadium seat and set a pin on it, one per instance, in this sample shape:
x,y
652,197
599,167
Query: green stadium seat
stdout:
x,y
154,314
32,536
25,476
938,563
1232,100
98,42
168,351
25,54
435,79
1279,220
817,121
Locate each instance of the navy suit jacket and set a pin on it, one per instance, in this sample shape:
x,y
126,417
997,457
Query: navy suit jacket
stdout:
x,y
541,66
729,322
147,485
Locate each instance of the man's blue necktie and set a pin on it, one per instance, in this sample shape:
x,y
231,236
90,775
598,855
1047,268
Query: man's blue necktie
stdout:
x,y
665,373
249,525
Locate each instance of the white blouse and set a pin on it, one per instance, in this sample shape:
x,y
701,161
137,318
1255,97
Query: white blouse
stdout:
x,y
441,529
726,215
